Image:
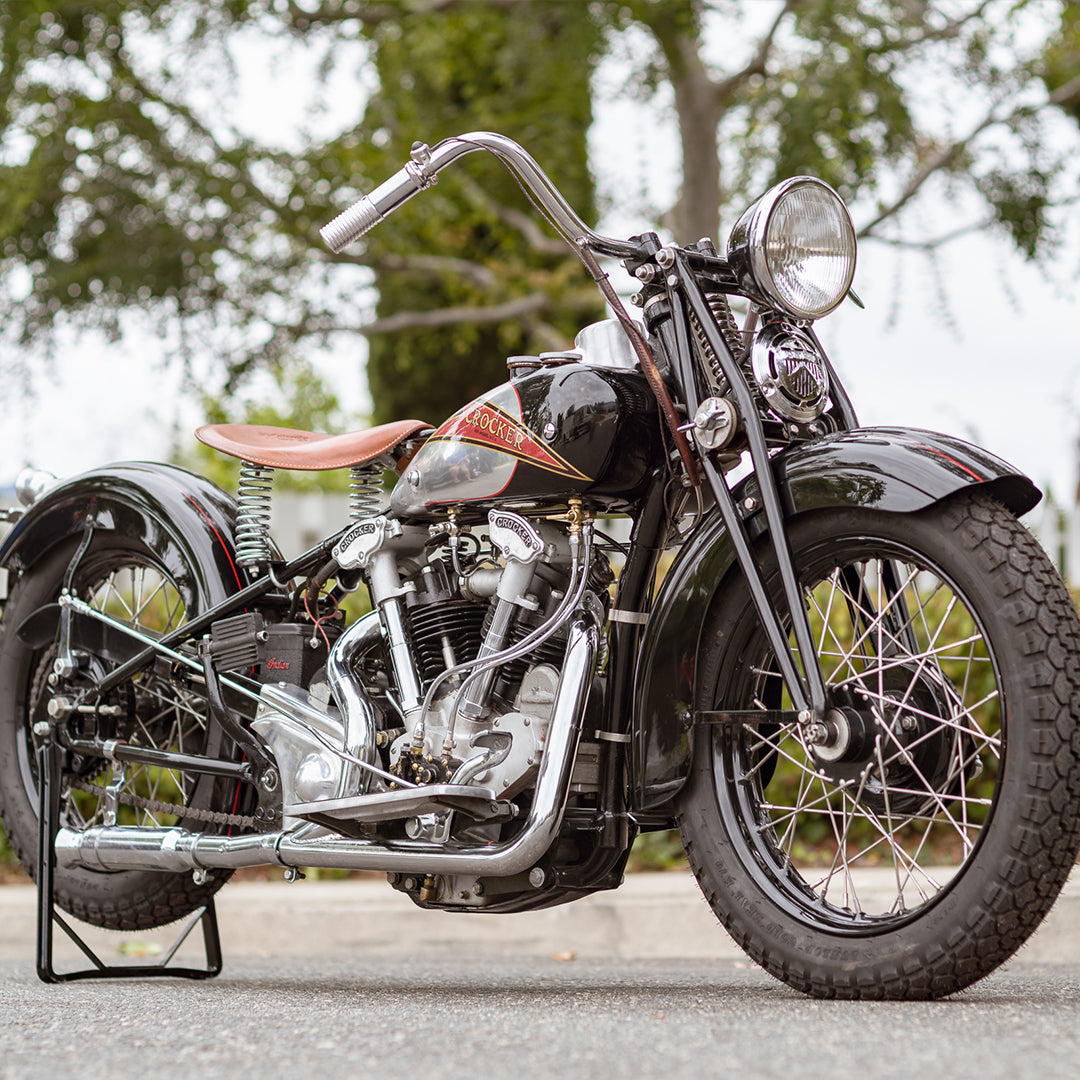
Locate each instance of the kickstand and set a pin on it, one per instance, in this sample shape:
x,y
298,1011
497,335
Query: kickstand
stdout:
x,y
48,761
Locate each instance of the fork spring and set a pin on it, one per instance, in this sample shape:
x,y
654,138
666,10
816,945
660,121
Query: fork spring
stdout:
x,y
729,328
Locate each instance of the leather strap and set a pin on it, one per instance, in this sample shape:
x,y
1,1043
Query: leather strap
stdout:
x,y
648,364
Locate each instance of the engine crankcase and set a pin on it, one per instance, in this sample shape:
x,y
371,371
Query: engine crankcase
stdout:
x,y
526,723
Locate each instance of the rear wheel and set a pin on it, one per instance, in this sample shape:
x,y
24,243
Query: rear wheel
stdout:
x,y
912,842
157,708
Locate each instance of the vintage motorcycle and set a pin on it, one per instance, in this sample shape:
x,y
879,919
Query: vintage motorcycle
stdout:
x,y
831,656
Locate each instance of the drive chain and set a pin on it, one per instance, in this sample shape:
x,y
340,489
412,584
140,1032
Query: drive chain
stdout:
x,y
156,807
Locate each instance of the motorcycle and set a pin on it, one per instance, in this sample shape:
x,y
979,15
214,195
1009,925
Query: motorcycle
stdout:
x,y
831,657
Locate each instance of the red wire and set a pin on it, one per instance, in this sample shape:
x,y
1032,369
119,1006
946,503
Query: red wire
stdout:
x,y
318,622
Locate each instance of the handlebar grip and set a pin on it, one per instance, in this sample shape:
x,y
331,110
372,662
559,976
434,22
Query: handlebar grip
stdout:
x,y
350,225
367,212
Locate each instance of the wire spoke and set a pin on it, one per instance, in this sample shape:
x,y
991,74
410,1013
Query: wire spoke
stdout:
x,y
911,788
166,716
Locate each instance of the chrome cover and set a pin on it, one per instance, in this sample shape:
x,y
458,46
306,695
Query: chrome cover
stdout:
x,y
790,372
605,344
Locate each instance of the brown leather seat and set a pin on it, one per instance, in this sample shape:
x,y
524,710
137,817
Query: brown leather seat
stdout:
x,y
286,448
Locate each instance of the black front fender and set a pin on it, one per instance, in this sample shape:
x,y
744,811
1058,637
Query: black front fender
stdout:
x,y
179,515
900,470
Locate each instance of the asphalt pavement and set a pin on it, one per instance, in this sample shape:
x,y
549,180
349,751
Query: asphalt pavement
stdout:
x,y
347,978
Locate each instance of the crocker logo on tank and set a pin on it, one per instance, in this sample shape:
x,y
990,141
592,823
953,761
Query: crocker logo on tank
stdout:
x,y
485,424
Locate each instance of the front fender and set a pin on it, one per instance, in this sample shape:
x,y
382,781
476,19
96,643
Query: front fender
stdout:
x,y
901,470
181,516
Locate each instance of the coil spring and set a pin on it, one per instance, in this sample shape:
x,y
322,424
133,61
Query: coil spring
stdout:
x,y
366,498
253,516
729,328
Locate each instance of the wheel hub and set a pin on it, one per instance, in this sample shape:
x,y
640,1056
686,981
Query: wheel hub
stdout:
x,y
900,750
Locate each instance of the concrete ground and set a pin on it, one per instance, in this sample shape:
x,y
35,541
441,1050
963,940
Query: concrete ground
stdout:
x,y
651,916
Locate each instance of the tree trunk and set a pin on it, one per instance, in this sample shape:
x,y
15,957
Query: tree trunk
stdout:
x,y
697,213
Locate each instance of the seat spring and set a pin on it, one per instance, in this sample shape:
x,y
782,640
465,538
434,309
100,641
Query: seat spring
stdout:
x,y
366,497
253,514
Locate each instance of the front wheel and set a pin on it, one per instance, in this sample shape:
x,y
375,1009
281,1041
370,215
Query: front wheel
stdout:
x,y
914,840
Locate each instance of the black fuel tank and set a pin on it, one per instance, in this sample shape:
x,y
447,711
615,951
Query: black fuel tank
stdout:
x,y
553,432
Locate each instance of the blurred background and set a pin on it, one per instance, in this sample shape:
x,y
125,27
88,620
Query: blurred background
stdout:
x,y
165,166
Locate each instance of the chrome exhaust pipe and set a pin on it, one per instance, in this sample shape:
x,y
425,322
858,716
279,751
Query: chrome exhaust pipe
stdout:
x,y
175,849
302,732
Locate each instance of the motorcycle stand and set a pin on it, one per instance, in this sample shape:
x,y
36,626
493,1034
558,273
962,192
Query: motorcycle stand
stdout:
x,y
48,760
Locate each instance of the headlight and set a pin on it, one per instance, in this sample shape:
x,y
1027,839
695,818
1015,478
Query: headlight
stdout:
x,y
795,247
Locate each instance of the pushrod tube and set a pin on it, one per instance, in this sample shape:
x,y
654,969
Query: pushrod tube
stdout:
x,y
174,849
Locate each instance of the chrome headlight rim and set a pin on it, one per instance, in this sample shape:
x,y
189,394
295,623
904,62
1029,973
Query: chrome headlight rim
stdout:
x,y
778,387
746,249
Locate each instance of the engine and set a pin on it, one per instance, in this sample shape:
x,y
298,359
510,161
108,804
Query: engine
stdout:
x,y
430,720
486,632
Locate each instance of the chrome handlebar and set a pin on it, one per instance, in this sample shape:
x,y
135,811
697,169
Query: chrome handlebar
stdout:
x,y
422,171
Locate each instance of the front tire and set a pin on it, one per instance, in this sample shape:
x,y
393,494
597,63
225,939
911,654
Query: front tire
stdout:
x,y
915,844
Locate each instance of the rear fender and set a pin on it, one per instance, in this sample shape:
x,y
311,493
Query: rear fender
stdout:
x,y
186,520
900,470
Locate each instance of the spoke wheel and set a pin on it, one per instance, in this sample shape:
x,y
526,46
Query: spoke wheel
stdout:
x,y
883,844
126,580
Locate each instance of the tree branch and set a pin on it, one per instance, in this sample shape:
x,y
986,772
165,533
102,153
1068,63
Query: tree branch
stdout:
x,y
516,219
431,265
938,241
239,170
422,320
1065,92
545,334
939,161
512,309
368,15
948,32
724,88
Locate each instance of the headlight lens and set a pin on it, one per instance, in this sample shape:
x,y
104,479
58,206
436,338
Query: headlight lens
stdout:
x,y
795,247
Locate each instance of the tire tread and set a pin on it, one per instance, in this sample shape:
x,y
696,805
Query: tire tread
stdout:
x,y
1041,851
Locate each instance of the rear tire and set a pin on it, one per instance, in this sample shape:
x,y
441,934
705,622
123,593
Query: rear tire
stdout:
x,y
123,576
962,745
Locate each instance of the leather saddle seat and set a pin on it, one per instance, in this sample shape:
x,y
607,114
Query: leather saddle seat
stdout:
x,y
287,448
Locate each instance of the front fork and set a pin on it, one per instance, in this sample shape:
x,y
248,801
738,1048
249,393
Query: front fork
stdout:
x,y
806,687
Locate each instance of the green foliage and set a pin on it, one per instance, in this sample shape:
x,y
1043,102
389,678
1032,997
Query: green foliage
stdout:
x,y
7,853
111,195
124,188
526,77
888,100
119,195
835,109
657,851
1061,61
